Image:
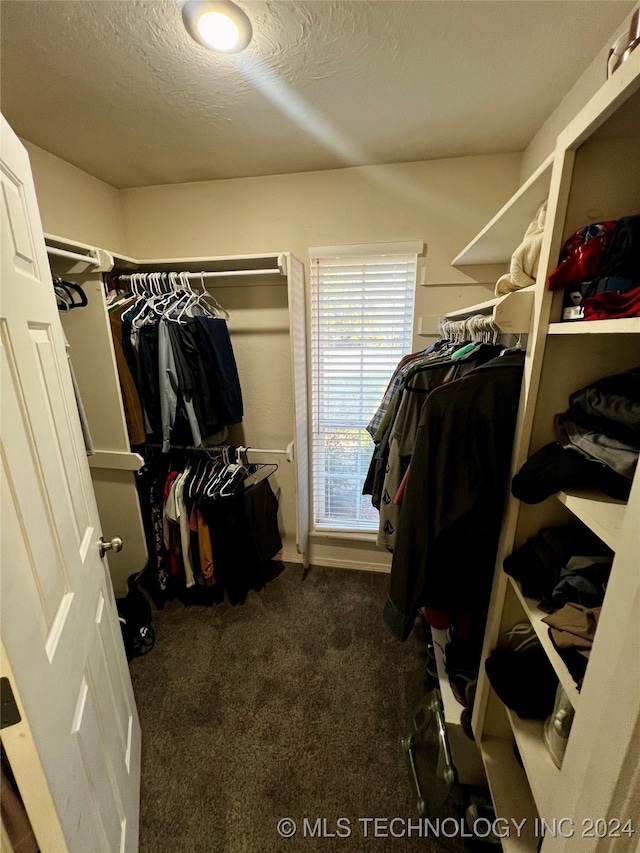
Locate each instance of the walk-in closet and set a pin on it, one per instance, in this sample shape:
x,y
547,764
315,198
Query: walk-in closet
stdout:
x,y
320,421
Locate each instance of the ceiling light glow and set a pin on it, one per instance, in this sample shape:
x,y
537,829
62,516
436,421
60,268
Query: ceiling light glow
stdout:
x,y
217,24
218,31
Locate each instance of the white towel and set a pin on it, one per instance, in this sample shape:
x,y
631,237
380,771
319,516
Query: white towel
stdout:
x,y
524,261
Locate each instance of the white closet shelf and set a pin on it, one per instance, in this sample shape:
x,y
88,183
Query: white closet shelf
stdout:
x,y
623,326
601,514
510,792
497,241
68,257
511,312
116,460
541,628
613,110
542,773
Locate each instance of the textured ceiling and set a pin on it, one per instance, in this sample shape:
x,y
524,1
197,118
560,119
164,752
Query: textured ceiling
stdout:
x,y
120,90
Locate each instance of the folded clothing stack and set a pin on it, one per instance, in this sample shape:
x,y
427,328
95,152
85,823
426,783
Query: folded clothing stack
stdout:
x,y
521,675
598,443
561,565
599,269
572,630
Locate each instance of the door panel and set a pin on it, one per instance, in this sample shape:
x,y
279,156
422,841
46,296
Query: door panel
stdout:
x,y
60,631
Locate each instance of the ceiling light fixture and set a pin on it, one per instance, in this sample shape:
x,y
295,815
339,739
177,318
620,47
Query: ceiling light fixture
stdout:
x,y
217,24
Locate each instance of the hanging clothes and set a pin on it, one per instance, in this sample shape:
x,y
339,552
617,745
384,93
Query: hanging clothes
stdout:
x,y
417,385
175,361
451,511
128,385
212,524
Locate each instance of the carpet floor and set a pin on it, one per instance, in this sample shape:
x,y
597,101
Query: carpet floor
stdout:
x,y
289,706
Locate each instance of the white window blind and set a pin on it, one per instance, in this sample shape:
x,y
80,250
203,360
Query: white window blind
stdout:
x,y
361,325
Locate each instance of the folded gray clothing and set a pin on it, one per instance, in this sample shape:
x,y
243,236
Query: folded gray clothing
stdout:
x,y
582,581
621,457
610,405
538,563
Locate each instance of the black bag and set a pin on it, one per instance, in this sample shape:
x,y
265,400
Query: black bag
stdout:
x,y
134,612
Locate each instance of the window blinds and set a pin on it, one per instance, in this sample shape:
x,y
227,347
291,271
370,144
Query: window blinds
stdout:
x,y
361,325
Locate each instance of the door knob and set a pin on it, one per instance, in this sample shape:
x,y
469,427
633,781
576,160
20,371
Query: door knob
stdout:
x,y
114,545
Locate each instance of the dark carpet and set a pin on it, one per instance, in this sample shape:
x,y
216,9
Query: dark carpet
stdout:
x,y
289,706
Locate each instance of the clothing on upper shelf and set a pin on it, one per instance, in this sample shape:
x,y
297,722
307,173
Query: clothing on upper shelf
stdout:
x,y
599,443
581,255
451,511
524,261
600,270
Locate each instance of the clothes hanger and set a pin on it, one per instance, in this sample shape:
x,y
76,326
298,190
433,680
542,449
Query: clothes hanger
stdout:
x,y
517,347
63,299
202,297
262,472
70,289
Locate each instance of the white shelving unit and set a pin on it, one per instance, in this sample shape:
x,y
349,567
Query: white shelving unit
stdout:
x,y
595,166
627,326
535,616
600,513
497,240
510,313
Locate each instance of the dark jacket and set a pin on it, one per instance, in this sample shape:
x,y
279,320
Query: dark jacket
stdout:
x,y
451,512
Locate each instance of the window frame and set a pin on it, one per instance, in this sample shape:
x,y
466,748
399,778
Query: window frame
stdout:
x,y
321,521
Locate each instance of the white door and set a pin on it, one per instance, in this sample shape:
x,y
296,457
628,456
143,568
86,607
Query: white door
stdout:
x,y
80,735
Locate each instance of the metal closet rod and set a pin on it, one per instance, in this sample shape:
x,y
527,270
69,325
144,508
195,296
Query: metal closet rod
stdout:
x,y
217,274
288,452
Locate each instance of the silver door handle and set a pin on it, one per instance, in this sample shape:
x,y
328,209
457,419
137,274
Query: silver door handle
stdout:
x,y
114,545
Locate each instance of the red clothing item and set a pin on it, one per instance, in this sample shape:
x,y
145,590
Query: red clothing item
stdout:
x,y
401,488
579,260
440,620
611,305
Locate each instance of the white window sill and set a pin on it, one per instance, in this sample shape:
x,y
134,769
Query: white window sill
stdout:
x,y
351,535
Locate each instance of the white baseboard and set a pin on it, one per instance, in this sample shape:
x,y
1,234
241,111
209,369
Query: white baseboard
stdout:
x,y
355,565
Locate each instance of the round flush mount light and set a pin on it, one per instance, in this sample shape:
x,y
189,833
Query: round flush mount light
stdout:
x,y
217,24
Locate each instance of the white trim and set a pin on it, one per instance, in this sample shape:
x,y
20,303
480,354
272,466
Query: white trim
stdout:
x,y
366,536
361,249
352,565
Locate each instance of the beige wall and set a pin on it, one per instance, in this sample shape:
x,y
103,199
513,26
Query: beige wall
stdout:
x,y
74,204
584,88
443,202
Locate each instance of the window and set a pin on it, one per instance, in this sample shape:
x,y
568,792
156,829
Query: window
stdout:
x,y
362,301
